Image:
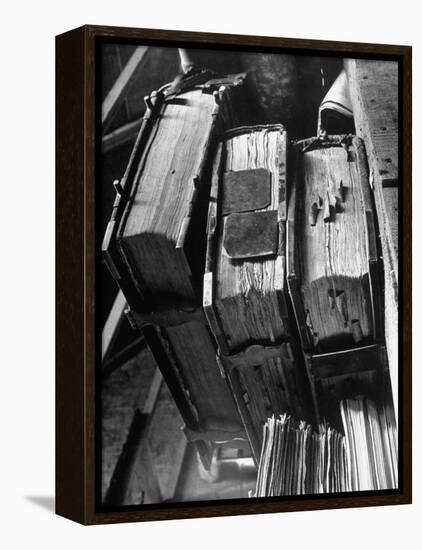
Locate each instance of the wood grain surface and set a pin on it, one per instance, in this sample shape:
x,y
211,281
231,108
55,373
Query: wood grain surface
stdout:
x,y
247,292
333,252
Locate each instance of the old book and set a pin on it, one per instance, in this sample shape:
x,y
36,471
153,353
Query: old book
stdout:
x,y
155,242
334,275
266,380
155,248
244,282
332,249
185,351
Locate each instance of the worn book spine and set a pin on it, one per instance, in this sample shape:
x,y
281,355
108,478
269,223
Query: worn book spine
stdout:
x,y
244,282
244,279
332,257
185,351
155,247
155,241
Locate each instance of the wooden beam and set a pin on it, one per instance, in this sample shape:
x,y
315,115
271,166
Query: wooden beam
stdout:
x,y
154,390
374,88
135,461
122,356
120,64
374,94
112,325
120,88
121,135
134,451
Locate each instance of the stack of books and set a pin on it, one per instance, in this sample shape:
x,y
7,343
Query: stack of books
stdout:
x,y
296,460
245,293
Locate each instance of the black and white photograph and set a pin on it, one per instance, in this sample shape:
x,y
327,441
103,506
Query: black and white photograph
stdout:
x,y
210,275
248,299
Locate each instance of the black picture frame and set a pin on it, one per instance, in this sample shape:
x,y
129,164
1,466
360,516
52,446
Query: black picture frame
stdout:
x,y
77,249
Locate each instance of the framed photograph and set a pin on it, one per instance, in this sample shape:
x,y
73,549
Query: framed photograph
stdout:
x,y
233,223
